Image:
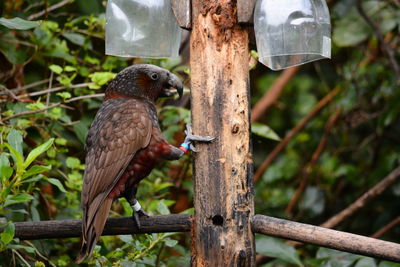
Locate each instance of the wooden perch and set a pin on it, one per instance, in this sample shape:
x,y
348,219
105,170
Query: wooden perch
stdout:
x,y
114,226
324,237
182,223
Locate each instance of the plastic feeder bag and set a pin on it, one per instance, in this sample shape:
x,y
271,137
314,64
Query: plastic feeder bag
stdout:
x,y
138,28
292,32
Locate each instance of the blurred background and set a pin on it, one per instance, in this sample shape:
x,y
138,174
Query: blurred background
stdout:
x,y
323,134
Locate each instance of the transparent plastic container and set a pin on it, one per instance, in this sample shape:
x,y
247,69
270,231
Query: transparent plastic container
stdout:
x,y
292,32
138,28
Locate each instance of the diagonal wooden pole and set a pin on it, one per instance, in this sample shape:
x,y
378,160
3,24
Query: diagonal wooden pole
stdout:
x,y
223,182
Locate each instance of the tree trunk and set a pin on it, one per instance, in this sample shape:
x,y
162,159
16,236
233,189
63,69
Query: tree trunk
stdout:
x,y
223,180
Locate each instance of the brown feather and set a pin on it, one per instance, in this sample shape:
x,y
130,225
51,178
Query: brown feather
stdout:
x,y
107,158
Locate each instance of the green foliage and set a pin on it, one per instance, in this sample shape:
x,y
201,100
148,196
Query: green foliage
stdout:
x,y
273,247
42,155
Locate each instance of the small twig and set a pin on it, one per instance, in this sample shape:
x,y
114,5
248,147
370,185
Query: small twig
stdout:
x,y
272,156
9,92
51,106
39,254
56,89
51,8
317,153
16,90
20,256
83,97
390,53
386,228
50,85
363,200
33,6
273,93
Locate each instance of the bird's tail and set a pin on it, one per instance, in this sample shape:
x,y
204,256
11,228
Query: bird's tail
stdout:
x,y
95,217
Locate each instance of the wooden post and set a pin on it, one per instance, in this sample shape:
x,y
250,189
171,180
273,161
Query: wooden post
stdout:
x,y
223,181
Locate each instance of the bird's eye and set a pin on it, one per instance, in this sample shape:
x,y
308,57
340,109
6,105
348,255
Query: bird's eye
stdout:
x,y
154,76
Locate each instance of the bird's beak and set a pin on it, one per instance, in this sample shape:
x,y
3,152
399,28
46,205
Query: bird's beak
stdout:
x,y
174,82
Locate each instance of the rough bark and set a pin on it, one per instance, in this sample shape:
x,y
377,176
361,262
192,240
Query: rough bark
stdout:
x,y
326,237
223,199
114,226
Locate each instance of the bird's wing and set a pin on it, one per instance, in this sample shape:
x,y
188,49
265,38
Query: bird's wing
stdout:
x,y
120,129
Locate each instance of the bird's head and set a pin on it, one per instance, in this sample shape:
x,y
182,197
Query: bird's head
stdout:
x,y
144,80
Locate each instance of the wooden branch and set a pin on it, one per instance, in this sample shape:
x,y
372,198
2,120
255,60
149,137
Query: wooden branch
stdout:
x,y
29,112
309,166
51,8
273,93
364,199
326,237
222,171
386,228
182,223
114,226
28,86
55,89
272,156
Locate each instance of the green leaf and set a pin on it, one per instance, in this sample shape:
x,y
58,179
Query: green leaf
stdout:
x,y
18,159
9,46
170,242
388,264
69,68
8,234
366,262
18,23
14,199
101,78
37,151
35,169
61,141
336,258
162,208
351,29
57,183
75,38
73,163
276,248
28,249
64,95
264,131
4,160
6,172
14,138
81,131
56,69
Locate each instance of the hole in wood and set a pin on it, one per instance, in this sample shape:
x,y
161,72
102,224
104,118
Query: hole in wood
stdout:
x,y
218,220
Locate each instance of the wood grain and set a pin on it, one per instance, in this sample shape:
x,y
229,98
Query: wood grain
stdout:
x,y
326,237
223,183
114,226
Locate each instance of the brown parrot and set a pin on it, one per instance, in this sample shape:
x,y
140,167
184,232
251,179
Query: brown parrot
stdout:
x,y
124,144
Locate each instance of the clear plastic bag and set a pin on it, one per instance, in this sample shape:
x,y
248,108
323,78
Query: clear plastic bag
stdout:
x,y
138,28
292,32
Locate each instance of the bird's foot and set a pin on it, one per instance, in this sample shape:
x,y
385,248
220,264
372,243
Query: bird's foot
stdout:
x,y
138,212
190,138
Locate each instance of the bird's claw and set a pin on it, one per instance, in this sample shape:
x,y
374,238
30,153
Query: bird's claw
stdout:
x,y
137,212
137,215
190,138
